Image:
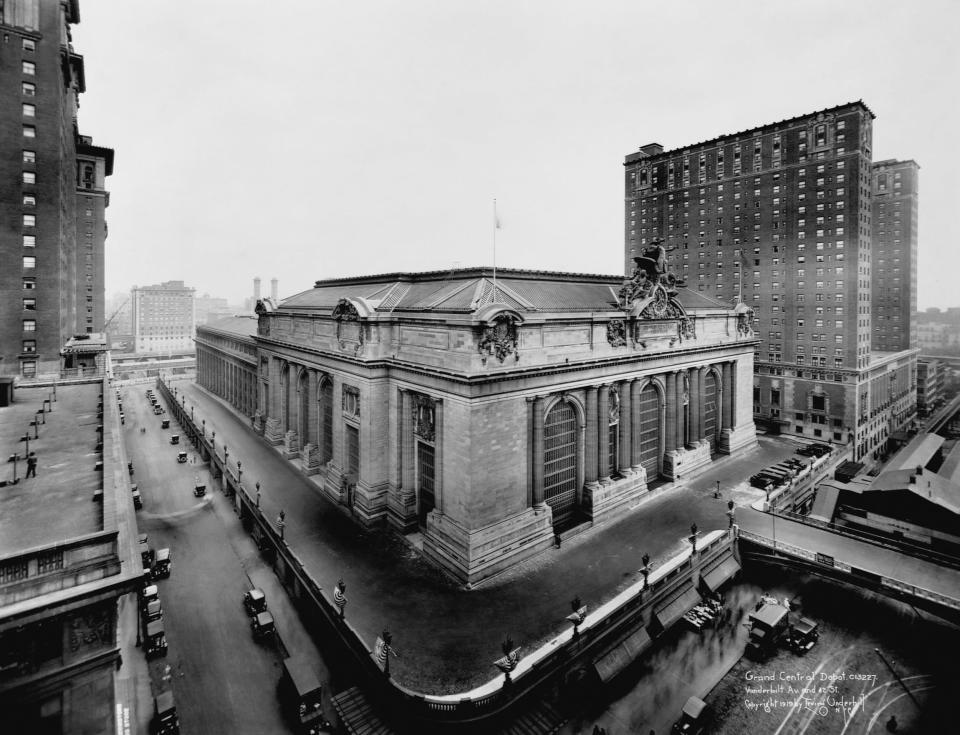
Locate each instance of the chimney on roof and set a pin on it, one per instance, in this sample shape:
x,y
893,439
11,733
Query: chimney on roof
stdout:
x,y
256,288
273,289
651,149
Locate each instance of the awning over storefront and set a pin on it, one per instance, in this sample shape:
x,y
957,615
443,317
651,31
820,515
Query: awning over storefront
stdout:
x,y
670,612
622,656
720,573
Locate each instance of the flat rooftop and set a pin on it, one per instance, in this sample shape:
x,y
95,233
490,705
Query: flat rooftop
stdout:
x,y
58,503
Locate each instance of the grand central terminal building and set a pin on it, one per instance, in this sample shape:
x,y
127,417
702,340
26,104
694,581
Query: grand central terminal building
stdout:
x,y
490,411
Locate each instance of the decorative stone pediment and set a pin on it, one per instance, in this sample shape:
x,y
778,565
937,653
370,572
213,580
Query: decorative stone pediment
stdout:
x,y
499,337
349,326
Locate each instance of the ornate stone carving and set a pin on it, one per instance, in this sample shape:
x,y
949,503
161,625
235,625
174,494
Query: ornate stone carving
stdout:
x,y
744,321
614,403
424,417
92,629
350,401
500,338
617,332
650,271
687,328
262,310
349,326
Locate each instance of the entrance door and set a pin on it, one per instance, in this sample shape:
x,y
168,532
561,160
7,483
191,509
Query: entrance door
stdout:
x,y
353,460
650,431
710,410
560,462
426,483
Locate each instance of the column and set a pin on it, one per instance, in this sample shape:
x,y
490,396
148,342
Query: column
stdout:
x,y
702,411
626,450
670,411
405,427
590,439
438,456
635,433
726,396
603,433
693,400
681,438
538,452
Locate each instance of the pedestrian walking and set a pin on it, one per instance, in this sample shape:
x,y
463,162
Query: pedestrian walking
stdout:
x,y
31,465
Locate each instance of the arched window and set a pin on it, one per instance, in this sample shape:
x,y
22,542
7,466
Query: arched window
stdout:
x,y
560,462
650,430
710,423
325,418
614,431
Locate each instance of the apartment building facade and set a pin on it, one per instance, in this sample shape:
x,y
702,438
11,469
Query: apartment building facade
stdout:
x,y
163,317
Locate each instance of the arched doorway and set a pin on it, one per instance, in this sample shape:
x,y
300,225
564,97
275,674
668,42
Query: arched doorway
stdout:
x,y
710,423
650,430
560,462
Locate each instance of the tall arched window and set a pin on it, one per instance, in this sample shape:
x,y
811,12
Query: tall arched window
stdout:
x,y
710,422
303,423
650,430
560,462
325,419
613,430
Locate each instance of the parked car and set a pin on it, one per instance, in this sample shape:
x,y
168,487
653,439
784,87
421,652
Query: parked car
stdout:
x,y
162,564
262,625
165,423
156,642
804,635
254,601
182,457
693,718
165,720
153,611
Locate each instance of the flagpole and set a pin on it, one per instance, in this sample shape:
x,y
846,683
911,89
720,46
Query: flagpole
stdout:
x,y
495,223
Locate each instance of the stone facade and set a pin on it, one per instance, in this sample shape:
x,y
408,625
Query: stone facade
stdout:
x,y
492,419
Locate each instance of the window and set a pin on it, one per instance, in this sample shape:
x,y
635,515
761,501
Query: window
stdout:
x,y
29,157
29,68
29,261
29,241
28,89
29,44
29,325
29,110
29,220
29,345
29,200
29,304
29,131
29,284
29,177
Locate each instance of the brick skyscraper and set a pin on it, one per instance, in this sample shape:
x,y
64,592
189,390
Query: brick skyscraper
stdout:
x,y
786,209
44,163
895,191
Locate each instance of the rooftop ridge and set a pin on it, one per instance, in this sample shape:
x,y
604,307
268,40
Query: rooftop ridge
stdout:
x,y
632,157
468,273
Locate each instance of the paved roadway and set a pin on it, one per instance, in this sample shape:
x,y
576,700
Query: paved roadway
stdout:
x,y
222,680
447,638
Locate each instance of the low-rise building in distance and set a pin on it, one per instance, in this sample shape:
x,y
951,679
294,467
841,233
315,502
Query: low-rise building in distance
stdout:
x,y
164,318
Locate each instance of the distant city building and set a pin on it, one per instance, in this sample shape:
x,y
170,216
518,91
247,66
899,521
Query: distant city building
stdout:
x,y
895,188
490,418
210,308
931,384
68,556
938,332
785,209
163,317
52,191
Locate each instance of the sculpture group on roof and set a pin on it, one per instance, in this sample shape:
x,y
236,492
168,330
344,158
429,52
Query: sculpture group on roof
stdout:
x,y
650,271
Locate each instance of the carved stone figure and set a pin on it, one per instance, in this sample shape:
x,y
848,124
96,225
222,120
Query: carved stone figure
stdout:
x,y
500,338
744,322
424,417
617,332
687,328
349,326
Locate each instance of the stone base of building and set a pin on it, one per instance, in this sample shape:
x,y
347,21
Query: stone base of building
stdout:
x,y
291,445
402,510
474,555
310,459
742,437
369,504
601,500
273,432
682,462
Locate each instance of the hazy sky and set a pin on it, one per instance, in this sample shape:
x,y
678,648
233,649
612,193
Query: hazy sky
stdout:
x,y
313,139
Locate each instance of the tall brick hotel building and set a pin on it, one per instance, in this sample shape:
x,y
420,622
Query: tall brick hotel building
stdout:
x,y
52,190
783,217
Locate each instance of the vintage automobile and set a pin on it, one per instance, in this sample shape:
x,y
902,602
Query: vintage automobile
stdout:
x,y
768,627
254,601
130,468
165,720
199,489
174,438
153,611
162,564
146,553
262,625
150,593
182,457
300,692
157,409
693,718
137,500
803,635
156,642
165,423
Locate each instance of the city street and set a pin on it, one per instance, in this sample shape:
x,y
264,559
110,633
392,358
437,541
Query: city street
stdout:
x,y
444,634
223,681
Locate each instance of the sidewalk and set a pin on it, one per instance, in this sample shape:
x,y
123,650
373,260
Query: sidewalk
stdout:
x,y
133,699
448,638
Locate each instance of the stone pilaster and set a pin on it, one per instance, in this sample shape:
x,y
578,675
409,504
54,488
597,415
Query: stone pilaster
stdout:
x,y
291,444
626,434
538,501
603,433
590,440
310,457
635,433
273,431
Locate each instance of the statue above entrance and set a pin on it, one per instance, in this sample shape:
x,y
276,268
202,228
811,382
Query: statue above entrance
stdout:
x,y
650,275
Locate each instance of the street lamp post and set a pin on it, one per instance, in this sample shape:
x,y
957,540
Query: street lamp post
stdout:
x,y
340,596
646,570
716,493
281,523
577,616
239,472
226,454
258,494
730,512
203,428
693,538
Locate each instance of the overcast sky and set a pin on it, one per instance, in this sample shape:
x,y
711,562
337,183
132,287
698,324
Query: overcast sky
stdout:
x,y
314,139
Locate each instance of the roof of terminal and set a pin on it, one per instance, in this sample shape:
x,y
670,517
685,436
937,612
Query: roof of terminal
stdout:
x,y
58,503
239,326
467,290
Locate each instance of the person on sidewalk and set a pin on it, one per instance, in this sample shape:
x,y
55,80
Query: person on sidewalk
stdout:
x,y
31,465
